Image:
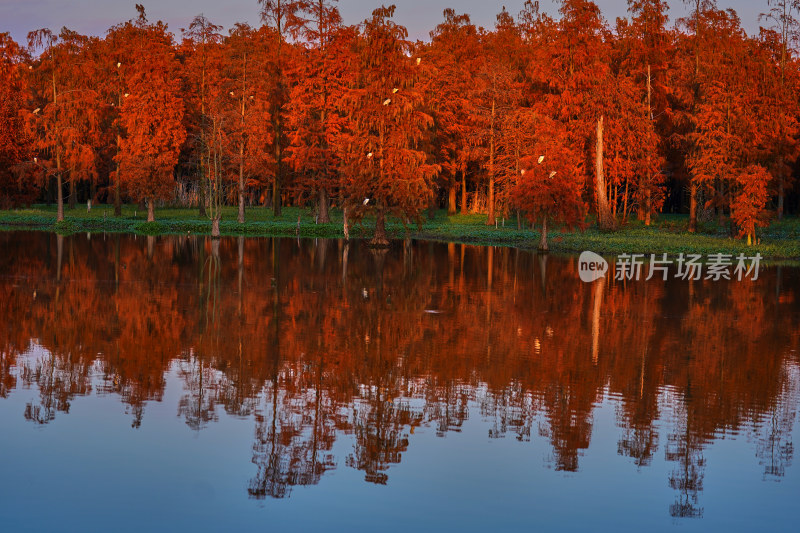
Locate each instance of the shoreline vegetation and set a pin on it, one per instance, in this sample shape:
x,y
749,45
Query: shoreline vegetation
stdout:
x,y
668,234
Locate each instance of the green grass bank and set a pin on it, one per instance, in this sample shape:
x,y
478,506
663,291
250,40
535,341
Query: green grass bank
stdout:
x,y
779,241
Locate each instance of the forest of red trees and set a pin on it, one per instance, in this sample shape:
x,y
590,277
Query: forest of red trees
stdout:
x,y
551,119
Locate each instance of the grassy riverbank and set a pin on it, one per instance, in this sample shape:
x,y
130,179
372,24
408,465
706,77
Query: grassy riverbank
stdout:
x,y
668,234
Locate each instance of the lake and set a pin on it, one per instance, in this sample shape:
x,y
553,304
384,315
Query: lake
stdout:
x,y
176,383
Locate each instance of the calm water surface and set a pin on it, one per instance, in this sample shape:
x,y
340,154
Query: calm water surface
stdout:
x,y
175,384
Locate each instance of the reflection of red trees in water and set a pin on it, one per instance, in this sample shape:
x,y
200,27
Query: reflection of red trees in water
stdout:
x,y
315,339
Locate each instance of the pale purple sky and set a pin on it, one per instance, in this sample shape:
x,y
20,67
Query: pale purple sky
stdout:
x,y
94,17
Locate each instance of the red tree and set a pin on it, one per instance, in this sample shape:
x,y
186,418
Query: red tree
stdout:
x,y
385,171
151,116
321,77
547,185
16,180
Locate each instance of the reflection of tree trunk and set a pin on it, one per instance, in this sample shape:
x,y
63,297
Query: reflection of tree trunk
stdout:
x,y
151,214
603,214
407,258
151,242
599,285
240,272
543,241
345,255
543,272
451,262
116,262
60,255
645,337
322,253
215,250
489,266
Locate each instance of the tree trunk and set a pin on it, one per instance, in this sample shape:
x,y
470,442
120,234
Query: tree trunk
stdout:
x,y
603,214
215,228
464,192
276,184
490,221
451,198
72,192
432,205
117,199
380,229
345,224
151,214
201,211
648,195
543,240
323,207
780,198
692,207
240,218
60,195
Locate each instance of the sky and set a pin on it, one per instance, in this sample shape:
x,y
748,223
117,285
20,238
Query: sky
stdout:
x,y
94,17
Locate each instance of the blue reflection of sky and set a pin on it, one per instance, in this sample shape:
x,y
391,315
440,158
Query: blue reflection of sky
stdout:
x,y
88,470
420,16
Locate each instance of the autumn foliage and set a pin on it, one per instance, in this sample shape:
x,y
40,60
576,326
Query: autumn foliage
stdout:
x,y
645,115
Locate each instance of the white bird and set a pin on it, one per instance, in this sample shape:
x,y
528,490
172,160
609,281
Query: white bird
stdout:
x,y
119,64
541,158
394,91
231,93
553,173
37,110
387,101
30,67
522,172
252,97
126,95
419,60
35,159
369,155
366,201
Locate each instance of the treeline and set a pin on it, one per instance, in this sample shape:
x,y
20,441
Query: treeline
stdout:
x,y
550,119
